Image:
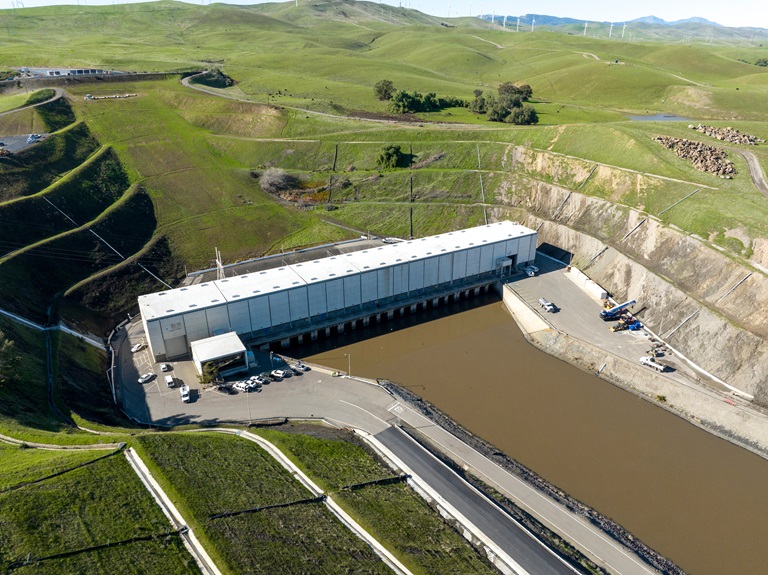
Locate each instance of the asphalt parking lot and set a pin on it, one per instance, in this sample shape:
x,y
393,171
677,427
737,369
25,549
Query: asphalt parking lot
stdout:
x,y
15,144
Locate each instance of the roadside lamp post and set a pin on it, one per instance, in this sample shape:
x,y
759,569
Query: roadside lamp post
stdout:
x,y
248,402
349,363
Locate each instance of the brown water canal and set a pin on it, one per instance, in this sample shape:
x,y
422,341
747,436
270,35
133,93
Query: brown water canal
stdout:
x,y
695,498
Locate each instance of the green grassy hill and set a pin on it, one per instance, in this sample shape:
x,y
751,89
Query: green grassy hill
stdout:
x,y
169,174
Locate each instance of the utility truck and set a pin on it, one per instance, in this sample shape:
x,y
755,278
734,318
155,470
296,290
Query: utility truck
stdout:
x,y
615,312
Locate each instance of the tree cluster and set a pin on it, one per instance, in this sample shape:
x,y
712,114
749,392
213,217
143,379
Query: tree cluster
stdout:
x,y
404,102
509,106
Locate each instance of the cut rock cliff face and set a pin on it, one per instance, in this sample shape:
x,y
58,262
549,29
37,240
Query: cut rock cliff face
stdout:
x,y
666,270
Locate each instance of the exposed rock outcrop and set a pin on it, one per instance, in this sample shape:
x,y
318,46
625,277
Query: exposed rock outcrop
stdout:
x,y
670,272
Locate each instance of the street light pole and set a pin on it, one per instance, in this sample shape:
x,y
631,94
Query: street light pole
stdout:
x,y
248,401
349,363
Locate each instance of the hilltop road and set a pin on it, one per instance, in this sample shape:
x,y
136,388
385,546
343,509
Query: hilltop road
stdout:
x,y
59,93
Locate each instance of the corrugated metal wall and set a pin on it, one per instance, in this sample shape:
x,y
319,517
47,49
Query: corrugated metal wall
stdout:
x,y
169,335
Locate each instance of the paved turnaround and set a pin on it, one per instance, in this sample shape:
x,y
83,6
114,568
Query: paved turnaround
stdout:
x,y
529,554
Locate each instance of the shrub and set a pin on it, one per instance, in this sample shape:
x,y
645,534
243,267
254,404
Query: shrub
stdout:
x,y
390,157
275,180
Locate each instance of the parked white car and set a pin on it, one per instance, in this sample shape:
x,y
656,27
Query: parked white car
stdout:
x,y
184,392
241,386
165,367
146,377
278,373
531,270
547,305
138,347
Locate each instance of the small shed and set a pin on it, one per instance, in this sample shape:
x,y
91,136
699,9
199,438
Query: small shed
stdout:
x,y
226,352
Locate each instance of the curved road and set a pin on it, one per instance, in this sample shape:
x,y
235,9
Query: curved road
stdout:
x,y
59,93
755,170
358,404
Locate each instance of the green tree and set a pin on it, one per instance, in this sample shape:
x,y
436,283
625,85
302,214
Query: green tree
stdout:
x,y
384,89
762,62
478,105
523,116
390,157
9,360
210,374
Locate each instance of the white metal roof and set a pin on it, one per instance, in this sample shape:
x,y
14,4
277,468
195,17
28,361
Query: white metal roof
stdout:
x,y
259,283
201,296
217,346
325,269
176,301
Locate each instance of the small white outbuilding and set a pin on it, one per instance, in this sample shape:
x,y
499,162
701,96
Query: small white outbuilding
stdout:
x,y
226,352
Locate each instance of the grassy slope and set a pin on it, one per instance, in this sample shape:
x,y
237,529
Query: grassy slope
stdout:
x,y
22,465
95,505
394,514
300,539
193,153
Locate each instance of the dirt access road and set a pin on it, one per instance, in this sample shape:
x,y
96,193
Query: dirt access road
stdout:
x,y
755,171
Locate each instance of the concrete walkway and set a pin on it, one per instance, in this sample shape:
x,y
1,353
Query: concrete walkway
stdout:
x,y
390,560
193,545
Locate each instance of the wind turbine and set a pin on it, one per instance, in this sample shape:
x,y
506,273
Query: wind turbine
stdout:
x,y
585,28
518,25
533,23
505,21
610,32
623,29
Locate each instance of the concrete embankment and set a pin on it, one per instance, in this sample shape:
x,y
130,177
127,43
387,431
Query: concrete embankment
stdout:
x,y
732,420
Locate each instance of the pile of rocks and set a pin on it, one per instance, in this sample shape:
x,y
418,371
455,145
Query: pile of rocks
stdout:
x,y
703,157
727,135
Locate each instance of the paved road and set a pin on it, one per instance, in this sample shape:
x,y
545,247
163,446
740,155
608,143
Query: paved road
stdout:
x,y
359,405
527,552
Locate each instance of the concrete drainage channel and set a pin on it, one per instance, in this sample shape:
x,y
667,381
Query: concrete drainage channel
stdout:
x,y
193,545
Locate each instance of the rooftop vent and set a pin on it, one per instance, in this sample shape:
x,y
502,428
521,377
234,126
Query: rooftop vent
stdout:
x,y
170,310
193,305
314,279
182,289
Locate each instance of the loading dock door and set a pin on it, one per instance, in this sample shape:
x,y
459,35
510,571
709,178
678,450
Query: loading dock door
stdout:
x,y
176,347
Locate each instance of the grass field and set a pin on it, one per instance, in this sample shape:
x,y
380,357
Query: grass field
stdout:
x,y
102,503
394,514
21,465
302,538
